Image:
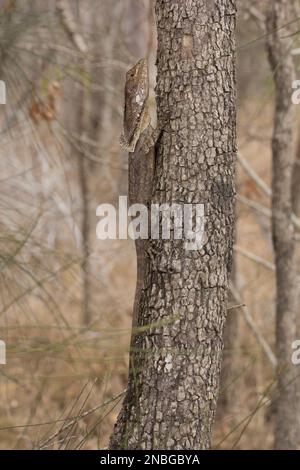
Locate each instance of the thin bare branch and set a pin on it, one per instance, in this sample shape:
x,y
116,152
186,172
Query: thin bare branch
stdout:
x,y
70,26
251,323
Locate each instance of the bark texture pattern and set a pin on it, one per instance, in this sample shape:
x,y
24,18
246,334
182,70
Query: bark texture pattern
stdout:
x,y
281,61
176,357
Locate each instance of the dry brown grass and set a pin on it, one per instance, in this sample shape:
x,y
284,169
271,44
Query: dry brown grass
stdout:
x,y
57,370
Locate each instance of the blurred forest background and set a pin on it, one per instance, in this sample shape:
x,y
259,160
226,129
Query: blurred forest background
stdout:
x,y
66,297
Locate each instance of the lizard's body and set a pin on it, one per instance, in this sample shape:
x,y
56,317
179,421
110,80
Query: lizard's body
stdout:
x,y
139,139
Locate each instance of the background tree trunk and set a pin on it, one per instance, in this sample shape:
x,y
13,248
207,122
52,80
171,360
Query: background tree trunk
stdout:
x,y
175,364
296,182
279,45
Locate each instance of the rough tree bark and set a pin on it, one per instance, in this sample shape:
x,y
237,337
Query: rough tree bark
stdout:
x,y
175,363
278,43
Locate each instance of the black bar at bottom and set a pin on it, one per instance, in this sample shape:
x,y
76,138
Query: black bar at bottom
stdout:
x,y
134,459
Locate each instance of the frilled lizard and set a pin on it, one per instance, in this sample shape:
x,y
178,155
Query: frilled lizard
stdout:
x,y
139,138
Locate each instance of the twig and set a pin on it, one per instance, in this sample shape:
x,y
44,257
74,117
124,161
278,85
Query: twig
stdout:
x,y
255,258
70,26
251,323
233,307
77,418
258,16
264,187
261,209
253,175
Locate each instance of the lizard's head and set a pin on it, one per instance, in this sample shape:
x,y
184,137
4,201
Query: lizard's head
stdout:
x,y
139,71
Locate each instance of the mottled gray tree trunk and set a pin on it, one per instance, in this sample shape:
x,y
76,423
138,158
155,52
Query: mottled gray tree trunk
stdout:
x,y
287,434
175,363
